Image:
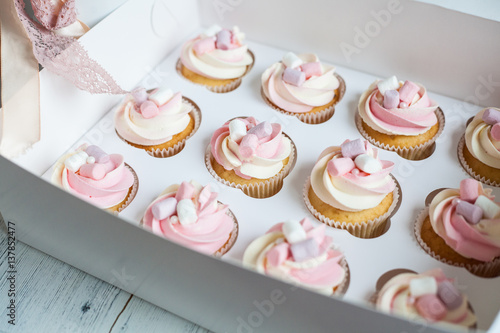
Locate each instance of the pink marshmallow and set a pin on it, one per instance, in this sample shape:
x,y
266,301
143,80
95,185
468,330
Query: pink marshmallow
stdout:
x,y
306,249
223,41
353,148
94,171
185,191
278,254
391,99
149,109
491,116
109,166
139,95
312,69
262,130
431,307
408,91
294,76
248,145
164,208
449,295
340,166
495,132
471,213
469,190
99,154
204,45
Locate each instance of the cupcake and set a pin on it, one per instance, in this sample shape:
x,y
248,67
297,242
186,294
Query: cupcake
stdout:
x,y
216,59
103,180
190,215
300,254
303,87
400,117
251,155
480,155
460,228
158,121
351,188
429,296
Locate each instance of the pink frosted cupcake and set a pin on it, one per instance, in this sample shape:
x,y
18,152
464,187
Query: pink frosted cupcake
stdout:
x,y
251,155
304,87
301,254
190,215
96,177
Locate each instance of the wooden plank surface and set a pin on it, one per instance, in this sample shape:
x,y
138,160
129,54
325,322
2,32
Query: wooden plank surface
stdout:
x,y
52,296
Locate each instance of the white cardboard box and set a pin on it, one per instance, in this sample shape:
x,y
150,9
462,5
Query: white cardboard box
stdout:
x,y
437,47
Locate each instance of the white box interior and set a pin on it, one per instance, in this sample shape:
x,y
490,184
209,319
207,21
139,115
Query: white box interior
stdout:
x,y
71,117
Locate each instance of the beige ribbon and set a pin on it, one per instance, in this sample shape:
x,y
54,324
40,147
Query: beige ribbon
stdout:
x,y
20,86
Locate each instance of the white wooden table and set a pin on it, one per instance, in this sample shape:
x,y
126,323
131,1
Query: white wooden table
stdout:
x,y
52,296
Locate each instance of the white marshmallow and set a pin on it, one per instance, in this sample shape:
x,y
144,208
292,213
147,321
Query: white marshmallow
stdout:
x,y
211,31
423,286
186,212
391,83
490,209
293,231
239,36
90,160
367,163
75,161
237,129
292,60
161,96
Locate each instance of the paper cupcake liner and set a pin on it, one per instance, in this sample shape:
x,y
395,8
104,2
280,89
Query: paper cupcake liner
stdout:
x,y
263,189
468,169
235,83
130,196
232,237
487,270
368,229
342,288
416,153
315,117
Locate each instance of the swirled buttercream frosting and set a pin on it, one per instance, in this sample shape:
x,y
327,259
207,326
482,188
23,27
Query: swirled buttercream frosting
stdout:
x,y
482,137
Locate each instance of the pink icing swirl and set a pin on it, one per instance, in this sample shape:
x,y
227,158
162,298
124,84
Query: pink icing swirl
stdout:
x,y
414,118
260,159
273,254
209,231
479,241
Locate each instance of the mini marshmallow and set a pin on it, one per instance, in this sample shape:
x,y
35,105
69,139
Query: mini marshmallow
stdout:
x,y
367,163
351,149
161,96
262,130
491,116
237,36
109,166
449,295
223,41
237,129
139,95
164,208
185,191
277,255
291,60
149,109
495,132
75,161
90,160
423,286
212,30
340,166
312,69
431,307
391,83
248,145
304,250
204,45
408,91
294,76
403,105
99,154
471,213
186,212
469,190
491,210
391,99
94,171
293,231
